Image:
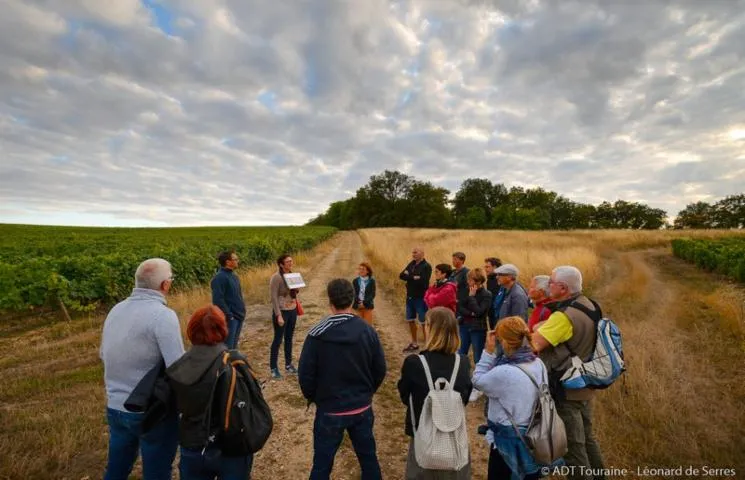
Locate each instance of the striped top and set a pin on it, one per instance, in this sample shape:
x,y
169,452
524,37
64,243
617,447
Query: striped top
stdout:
x,y
329,322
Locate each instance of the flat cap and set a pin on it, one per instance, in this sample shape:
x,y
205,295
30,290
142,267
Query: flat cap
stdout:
x,y
507,269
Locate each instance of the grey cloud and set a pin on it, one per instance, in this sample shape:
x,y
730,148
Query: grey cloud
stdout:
x,y
592,99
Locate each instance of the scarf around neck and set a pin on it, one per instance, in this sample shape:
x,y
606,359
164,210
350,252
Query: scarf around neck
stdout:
x,y
523,354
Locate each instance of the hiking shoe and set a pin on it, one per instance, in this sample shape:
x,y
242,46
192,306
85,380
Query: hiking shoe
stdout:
x,y
482,429
475,395
275,374
412,347
290,369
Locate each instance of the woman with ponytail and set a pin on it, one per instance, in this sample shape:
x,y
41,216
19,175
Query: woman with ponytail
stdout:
x,y
512,396
284,316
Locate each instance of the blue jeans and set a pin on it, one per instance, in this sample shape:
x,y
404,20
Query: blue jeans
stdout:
x,y
234,332
328,432
287,331
195,466
157,447
415,307
468,337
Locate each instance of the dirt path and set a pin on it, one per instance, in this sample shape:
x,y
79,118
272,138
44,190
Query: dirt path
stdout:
x,y
288,454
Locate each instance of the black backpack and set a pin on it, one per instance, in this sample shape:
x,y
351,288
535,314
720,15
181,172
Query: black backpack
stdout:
x,y
238,418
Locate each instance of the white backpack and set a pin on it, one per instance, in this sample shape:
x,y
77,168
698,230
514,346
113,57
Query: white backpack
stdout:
x,y
441,441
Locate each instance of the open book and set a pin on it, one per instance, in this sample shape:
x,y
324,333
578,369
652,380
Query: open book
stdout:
x,y
294,280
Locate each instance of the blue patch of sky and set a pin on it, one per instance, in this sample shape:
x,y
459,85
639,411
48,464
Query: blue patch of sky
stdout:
x,y
163,17
19,120
310,81
435,24
268,98
405,98
510,30
278,160
73,27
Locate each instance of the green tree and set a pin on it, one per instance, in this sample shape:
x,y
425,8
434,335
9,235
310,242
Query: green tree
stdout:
x,y
730,212
477,193
427,206
695,215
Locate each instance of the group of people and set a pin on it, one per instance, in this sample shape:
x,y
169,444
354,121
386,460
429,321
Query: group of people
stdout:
x,y
342,365
504,324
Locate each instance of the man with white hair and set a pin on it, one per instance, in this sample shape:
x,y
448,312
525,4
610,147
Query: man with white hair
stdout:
x,y
138,333
539,293
571,330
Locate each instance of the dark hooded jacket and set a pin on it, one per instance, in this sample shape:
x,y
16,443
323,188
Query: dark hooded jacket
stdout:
x,y
342,364
192,377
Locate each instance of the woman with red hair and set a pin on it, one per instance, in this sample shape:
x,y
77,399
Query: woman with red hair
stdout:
x,y
192,377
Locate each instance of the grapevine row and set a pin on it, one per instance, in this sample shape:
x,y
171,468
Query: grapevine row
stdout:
x,y
85,268
725,255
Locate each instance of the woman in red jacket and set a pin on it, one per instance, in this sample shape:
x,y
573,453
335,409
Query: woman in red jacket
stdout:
x,y
442,293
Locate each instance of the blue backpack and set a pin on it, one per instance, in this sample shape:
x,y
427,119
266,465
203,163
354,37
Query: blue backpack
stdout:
x,y
606,363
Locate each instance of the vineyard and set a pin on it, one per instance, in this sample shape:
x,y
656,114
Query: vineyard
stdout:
x,y
724,255
87,267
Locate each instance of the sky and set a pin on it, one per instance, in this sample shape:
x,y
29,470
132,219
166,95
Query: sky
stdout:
x,y
255,112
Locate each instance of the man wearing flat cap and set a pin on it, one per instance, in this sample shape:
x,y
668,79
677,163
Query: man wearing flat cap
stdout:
x,y
515,301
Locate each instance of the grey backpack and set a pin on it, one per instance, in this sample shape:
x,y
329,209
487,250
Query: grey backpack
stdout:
x,y
546,436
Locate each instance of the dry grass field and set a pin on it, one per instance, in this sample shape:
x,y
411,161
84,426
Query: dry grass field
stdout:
x,y
681,403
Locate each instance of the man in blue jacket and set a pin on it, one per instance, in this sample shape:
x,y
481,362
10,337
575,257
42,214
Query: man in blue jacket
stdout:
x,y
515,302
341,366
227,296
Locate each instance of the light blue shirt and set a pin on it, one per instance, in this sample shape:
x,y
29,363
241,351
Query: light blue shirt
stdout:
x,y
363,286
511,386
137,333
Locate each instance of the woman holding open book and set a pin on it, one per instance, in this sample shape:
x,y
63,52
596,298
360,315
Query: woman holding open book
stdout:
x,y
284,316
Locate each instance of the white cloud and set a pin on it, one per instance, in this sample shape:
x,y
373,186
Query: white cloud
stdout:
x,y
252,112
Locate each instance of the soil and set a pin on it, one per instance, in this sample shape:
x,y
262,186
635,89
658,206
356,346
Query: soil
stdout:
x,y
289,451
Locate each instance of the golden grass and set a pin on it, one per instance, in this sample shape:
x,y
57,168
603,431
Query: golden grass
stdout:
x,y
681,400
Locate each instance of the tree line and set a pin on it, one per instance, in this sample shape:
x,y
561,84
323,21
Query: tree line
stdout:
x,y
394,199
728,212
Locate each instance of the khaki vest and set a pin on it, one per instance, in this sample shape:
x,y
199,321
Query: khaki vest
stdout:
x,y
582,343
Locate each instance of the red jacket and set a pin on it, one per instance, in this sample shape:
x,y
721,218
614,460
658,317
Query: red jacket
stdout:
x,y
444,295
540,314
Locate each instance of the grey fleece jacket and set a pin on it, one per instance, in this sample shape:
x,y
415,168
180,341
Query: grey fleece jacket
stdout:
x,y
137,333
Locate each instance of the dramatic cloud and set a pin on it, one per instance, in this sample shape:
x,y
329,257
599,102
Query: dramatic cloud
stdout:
x,y
189,112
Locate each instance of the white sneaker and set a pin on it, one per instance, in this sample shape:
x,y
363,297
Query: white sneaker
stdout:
x,y
475,395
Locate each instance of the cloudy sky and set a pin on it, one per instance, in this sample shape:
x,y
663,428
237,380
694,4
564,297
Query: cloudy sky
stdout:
x,y
187,112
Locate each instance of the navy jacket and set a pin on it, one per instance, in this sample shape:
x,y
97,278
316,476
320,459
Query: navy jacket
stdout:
x,y
227,295
415,288
369,301
342,364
